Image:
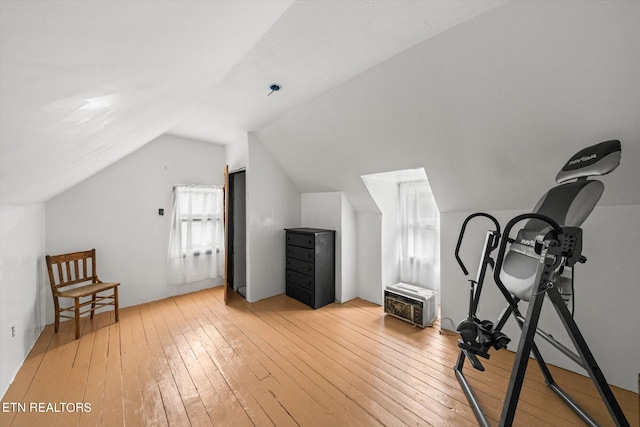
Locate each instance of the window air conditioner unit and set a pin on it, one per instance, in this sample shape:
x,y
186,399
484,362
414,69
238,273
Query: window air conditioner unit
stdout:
x,y
411,303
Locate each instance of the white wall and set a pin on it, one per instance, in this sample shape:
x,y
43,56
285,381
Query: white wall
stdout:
x,y
23,285
273,204
116,212
369,258
237,153
324,210
606,289
349,257
332,210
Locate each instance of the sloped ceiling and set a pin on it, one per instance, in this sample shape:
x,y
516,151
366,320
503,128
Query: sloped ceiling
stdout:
x,y
313,47
85,83
492,109
489,100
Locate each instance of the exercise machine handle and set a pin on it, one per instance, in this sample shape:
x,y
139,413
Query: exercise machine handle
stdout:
x,y
461,236
507,229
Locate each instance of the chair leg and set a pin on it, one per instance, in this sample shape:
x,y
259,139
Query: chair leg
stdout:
x,y
77,316
93,305
56,309
115,301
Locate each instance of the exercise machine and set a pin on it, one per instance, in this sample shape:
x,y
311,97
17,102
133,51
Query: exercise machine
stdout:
x,y
538,262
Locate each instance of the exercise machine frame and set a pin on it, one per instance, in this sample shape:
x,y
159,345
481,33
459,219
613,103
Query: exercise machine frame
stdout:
x,y
559,247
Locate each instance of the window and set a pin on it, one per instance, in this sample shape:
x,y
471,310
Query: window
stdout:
x,y
196,243
419,222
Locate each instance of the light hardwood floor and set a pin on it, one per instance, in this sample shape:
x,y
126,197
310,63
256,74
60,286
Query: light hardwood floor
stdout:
x,y
192,361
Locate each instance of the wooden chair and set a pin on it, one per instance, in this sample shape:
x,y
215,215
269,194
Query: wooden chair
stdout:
x,y
71,271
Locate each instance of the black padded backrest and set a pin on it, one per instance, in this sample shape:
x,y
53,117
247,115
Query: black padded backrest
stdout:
x,y
567,204
571,203
599,159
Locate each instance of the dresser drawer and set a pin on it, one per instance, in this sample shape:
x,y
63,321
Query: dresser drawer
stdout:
x,y
302,240
300,266
303,254
303,295
300,279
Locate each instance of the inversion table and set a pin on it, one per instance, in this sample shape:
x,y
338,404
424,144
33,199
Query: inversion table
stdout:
x,y
539,261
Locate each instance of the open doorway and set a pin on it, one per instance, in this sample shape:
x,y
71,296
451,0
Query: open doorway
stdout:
x,y
237,233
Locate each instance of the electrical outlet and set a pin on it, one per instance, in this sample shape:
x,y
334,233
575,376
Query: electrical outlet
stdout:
x,y
13,331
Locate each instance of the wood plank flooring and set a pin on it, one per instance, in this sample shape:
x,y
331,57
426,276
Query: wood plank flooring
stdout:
x,y
192,361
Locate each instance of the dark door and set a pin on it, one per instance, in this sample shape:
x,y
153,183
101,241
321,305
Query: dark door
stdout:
x,y
226,232
236,234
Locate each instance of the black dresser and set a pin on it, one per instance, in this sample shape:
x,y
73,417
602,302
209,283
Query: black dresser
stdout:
x,y
311,272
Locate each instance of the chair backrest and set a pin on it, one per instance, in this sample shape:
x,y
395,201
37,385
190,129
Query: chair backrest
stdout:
x,y
568,204
71,269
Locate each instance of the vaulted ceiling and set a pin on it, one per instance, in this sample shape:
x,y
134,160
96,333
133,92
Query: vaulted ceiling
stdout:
x,y
85,83
490,97
492,109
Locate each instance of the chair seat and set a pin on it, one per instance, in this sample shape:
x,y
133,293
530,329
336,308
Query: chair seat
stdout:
x,y
87,290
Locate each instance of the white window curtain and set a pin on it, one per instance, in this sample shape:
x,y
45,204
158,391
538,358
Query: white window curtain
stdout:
x,y
196,242
419,222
